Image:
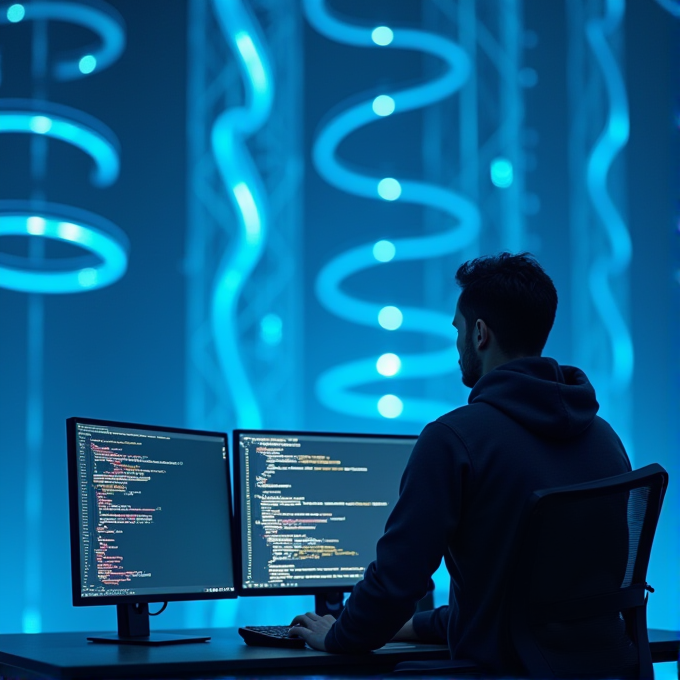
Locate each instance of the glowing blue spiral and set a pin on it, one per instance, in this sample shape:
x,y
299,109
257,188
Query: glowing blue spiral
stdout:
x,y
99,18
246,191
612,139
105,246
335,387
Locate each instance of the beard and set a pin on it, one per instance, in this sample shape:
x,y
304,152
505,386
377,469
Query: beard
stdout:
x,y
470,363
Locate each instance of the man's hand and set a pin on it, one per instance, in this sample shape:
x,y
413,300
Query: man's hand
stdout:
x,y
312,628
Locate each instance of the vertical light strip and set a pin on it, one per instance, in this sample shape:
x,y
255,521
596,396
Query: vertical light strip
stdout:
x,y
609,145
245,189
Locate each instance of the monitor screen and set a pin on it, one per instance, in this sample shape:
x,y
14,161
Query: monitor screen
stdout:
x,y
310,507
150,512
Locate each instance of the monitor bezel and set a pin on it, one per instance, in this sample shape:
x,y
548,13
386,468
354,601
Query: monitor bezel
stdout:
x,y
236,466
74,527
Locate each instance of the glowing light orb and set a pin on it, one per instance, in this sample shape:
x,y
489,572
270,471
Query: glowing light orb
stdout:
x,y
15,13
388,364
383,105
389,189
384,251
390,406
87,64
501,172
40,124
35,225
271,329
382,35
390,318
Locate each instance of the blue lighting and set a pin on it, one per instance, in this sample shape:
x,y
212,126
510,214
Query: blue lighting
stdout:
x,y
610,143
388,364
390,406
501,172
383,105
390,318
384,251
40,124
251,59
104,242
87,64
271,329
15,13
251,216
337,387
382,35
230,132
389,189
104,21
67,125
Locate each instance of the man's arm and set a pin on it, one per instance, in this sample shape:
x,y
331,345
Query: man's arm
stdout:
x,y
418,532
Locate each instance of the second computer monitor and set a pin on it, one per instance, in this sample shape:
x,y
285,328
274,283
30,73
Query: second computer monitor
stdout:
x,y
311,507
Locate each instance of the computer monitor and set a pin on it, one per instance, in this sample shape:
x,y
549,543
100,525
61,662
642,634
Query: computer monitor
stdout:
x,y
310,508
150,519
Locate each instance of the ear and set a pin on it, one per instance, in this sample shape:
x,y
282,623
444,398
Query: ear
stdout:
x,y
482,334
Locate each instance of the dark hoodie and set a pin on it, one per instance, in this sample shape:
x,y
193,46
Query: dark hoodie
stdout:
x,y
529,424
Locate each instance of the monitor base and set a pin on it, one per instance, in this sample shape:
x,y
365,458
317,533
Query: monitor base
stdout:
x,y
153,640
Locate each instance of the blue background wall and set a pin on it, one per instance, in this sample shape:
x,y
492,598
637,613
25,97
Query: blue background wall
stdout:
x,y
129,351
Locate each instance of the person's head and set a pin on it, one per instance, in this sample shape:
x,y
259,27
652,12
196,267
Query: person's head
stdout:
x,y
505,311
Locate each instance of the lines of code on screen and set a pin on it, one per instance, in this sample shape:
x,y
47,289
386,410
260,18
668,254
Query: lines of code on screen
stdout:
x,y
154,512
313,507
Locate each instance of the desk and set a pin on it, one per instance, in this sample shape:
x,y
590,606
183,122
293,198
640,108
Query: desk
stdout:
x,y
69,655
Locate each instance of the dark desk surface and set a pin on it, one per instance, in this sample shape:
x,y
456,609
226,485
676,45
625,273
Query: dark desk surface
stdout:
x,y
69,655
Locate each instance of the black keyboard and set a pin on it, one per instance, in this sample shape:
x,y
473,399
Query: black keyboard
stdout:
x,y
270,636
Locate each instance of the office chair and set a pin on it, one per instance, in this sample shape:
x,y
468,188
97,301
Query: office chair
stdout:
x,y
576,592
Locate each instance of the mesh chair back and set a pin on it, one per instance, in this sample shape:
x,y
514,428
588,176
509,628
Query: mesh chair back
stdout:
x,y
578,604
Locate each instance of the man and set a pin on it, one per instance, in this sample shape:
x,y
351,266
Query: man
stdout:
x,y
529,424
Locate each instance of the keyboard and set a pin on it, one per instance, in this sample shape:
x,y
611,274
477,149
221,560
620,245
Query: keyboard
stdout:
x,y
270,636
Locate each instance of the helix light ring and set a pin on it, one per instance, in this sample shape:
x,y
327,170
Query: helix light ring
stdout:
x,y
335,387
68,125
246,191
98,17
105,243
609,144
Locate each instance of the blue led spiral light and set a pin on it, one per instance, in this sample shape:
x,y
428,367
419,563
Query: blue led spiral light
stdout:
x,y
336,387
105,246
609,144
246,191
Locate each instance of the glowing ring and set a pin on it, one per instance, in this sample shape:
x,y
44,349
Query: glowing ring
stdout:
x,y
106,245
99,17
68,125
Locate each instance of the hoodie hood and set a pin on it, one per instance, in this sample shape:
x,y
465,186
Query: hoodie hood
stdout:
x,y
546,398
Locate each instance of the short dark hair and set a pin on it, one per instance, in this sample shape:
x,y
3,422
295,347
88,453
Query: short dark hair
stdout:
x,y
513,295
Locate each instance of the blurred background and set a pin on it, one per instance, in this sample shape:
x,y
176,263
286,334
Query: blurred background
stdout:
x,y
249,213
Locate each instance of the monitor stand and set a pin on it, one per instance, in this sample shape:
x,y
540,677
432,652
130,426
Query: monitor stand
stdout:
x,y
329,603
133,629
